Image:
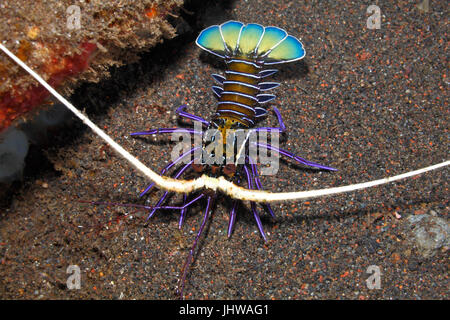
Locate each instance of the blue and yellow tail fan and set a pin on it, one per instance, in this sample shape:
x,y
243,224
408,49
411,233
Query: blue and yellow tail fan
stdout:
x,y
270,45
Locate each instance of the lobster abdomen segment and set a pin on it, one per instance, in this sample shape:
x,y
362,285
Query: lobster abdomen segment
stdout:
x,y
238,99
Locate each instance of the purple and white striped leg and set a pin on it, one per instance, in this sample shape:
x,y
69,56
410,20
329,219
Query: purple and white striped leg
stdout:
x,y
141,206
165,130
185,206
170,165
209,204
183,212
280,129
232,218
183,114
258,183
233,214
253,204
293,156
161,200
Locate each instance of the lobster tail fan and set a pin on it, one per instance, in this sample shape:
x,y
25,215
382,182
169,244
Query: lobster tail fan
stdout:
x,y
290,49
211,40
249,39
270,45
276,46
271,38
221,40
231,31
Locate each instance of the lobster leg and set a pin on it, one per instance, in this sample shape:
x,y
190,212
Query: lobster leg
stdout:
x,y
183,114
183,212
170,165
141,206
232,215
232,218
281,128
161,200
293,156
166,130
182,207
210,201
253,205
258,183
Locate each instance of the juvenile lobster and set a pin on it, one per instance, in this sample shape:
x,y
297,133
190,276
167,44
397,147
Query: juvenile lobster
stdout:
x,y
242,98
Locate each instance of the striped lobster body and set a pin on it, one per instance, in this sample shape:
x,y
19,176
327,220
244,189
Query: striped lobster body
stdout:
x,y
241,96
237,97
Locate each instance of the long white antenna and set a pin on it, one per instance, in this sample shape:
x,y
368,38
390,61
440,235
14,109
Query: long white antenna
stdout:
x,y
221,184
135,162
262,196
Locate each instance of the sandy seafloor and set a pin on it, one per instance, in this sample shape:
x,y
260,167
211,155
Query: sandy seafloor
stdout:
x,y
372,103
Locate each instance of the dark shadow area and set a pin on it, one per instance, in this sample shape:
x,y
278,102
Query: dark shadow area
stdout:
x,y
96,98
292,70
208,12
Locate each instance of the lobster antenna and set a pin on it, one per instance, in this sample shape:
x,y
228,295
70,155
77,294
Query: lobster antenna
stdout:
x,y
135,162
187,186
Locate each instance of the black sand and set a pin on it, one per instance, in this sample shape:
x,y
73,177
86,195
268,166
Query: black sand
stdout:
x,y
372,103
